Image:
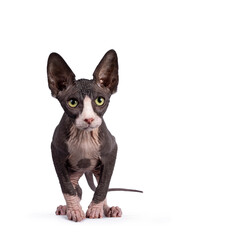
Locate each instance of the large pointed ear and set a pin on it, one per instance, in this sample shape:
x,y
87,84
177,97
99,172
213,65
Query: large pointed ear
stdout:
x,y
106,73
60,76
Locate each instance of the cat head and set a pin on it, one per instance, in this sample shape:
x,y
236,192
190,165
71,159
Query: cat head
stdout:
x,y
84,101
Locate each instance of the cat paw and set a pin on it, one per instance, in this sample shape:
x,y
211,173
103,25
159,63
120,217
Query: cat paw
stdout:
x,y
113,212
76,215
95,210
61,210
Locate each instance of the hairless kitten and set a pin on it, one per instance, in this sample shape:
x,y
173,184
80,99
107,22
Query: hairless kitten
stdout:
x,y
82,144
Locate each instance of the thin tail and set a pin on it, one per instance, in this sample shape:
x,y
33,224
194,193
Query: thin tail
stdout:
x,y
89,177
124,189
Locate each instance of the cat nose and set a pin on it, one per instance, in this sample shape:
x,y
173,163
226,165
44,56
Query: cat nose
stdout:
x,y
88,120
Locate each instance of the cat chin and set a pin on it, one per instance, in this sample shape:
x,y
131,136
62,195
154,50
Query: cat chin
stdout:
x,y
87,129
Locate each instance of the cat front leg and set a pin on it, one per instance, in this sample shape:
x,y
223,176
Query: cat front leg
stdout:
x,y
98,207
70,188
74,210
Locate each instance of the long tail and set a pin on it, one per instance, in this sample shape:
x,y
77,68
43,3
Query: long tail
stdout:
x,y
124,189
89,177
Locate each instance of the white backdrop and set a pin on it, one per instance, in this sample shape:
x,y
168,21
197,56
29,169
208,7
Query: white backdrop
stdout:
x,y
175,116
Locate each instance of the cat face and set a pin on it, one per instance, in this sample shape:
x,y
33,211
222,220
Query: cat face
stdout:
x,y
85,101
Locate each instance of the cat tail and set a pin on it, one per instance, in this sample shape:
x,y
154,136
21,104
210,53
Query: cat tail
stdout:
x,y
89,177
90,181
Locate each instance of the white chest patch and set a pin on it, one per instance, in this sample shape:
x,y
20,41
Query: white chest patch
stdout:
x,y
83,148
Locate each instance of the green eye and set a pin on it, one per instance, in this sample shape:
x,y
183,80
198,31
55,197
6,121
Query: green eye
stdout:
x,y
73,103
99,101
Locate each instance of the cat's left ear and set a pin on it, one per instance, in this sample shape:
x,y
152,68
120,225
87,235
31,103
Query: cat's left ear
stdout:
x,y
106,73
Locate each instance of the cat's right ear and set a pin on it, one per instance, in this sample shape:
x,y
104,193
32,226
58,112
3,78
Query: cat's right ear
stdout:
x,y
60,76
